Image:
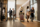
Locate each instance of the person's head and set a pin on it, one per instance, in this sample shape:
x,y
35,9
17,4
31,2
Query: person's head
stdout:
x,y
13,9
27,7
32,8
21,8
10,8
3,8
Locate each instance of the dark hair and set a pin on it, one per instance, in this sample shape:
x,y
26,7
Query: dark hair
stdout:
x,y
27,7
3,7
20,11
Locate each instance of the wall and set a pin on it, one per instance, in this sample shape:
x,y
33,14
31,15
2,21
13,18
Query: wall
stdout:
x,y
35,8
17,11
24,6
38,13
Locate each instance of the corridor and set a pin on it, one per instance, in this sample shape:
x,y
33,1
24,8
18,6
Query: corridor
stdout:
x,y
13,13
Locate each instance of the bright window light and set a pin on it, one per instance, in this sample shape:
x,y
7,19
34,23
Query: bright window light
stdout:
x,y
11,4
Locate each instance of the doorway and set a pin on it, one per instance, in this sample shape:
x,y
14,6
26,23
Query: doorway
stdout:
x,y
11,5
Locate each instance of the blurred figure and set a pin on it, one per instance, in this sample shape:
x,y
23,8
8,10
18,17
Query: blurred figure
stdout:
x,y
21,11
32,14
13,14
10,13
27,13
3,14
21,14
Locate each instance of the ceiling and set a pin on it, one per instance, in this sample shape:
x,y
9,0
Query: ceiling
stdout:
x,y
19,2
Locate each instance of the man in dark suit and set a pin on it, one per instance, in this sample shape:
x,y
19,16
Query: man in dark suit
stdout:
x,y
10,12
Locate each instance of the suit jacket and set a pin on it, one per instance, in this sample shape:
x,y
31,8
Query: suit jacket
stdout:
x,y
10,12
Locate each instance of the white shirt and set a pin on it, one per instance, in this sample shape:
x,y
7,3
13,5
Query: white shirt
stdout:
x,y
27,10
3,12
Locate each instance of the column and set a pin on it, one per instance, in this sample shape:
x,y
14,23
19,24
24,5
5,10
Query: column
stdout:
x,y
38,10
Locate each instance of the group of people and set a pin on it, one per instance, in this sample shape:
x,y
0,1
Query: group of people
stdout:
x,y
30,13
12,13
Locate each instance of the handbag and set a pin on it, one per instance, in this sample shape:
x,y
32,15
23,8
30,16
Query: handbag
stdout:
x,y
14,15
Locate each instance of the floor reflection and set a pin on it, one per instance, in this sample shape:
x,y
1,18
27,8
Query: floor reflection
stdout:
x,y
11,23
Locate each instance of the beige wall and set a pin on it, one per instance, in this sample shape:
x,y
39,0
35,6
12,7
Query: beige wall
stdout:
x,y
17,10
24,6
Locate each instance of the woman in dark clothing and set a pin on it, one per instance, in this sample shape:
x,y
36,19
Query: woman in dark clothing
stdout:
x,y
32,14
3,14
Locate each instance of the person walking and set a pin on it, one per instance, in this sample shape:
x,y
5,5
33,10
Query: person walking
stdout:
x,y
10,13
3,14
27,13
32,14
13,14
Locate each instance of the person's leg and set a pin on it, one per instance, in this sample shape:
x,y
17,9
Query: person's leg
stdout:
x,y
32,19
10,15
13,18
27,18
